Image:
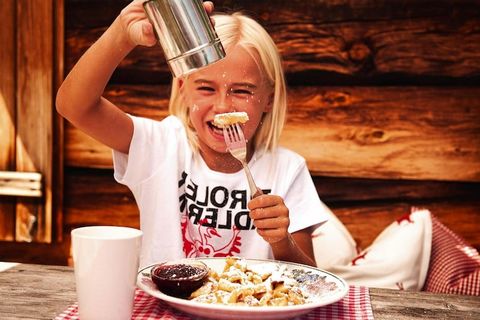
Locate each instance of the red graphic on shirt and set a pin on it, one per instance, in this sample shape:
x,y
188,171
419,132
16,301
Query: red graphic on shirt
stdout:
x,y
406,218
207,241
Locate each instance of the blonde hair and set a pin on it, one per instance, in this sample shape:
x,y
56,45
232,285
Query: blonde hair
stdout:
x,y
238,29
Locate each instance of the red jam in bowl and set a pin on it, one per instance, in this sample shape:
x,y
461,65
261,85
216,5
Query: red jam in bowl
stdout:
x,y
179,279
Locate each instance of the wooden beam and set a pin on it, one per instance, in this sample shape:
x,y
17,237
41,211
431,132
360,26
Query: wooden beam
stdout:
x,y
7,111
34,112
40,253
423,133
7,86
326,42
337,191
58,122
122,209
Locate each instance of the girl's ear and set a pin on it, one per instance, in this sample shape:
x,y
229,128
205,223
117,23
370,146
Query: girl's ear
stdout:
x,y
269,106
180,89
181,86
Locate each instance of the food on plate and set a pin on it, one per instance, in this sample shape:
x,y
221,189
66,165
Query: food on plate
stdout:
x,y
264,284
179,278
223,120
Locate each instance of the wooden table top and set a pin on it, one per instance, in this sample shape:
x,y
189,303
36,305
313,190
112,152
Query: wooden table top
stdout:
x,y
31,291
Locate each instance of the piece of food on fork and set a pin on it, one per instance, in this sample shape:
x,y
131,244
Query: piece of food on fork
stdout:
x,y
237,145
223,120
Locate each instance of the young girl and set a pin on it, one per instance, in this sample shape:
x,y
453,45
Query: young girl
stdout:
x,y
192,194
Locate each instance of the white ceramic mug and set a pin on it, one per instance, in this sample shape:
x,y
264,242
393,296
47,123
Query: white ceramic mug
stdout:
x,y
106,260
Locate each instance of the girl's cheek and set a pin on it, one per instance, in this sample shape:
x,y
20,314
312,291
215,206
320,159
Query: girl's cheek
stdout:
x,y
200,99
198,110
194,108
241,104
248,100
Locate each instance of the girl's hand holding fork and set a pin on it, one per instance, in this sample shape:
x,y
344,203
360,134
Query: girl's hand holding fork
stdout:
x,y
270,216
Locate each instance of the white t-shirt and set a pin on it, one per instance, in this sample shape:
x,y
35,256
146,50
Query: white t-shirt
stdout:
x,y
189,210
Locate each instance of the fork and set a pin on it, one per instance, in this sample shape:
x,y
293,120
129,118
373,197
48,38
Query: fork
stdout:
x,y
237,146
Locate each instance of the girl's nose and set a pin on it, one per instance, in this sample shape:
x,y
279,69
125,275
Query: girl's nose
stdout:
x,y
223,104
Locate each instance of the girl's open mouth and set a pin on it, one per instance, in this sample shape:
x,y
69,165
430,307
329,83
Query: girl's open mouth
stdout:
x,y
216,131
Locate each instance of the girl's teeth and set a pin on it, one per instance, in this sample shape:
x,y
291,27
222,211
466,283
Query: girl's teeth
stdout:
x,y
217,130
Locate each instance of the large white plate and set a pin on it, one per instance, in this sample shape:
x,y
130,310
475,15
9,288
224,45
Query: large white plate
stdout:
x,y
217,311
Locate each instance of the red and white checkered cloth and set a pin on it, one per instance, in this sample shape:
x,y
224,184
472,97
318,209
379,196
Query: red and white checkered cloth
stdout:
x,y
454,264
355,306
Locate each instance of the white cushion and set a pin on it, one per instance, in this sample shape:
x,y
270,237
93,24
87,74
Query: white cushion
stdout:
x,y
333,245
398,258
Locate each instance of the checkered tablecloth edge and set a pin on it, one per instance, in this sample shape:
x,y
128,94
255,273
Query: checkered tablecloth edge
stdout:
x,y
355,306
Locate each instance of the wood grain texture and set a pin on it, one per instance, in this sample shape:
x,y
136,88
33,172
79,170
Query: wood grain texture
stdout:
x,y
404,305
35,252
7,86
35,128
41,292
108,203
83,151
58,122
342,191
7,112
326,42
407,132
424,133
81,15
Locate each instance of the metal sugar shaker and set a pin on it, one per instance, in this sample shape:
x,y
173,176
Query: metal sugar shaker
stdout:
x,y
185,33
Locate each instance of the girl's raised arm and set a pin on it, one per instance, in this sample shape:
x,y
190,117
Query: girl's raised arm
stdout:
x,y
79,98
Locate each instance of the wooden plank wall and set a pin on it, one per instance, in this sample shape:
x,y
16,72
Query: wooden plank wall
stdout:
x,y
7,113
384,105
29,125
